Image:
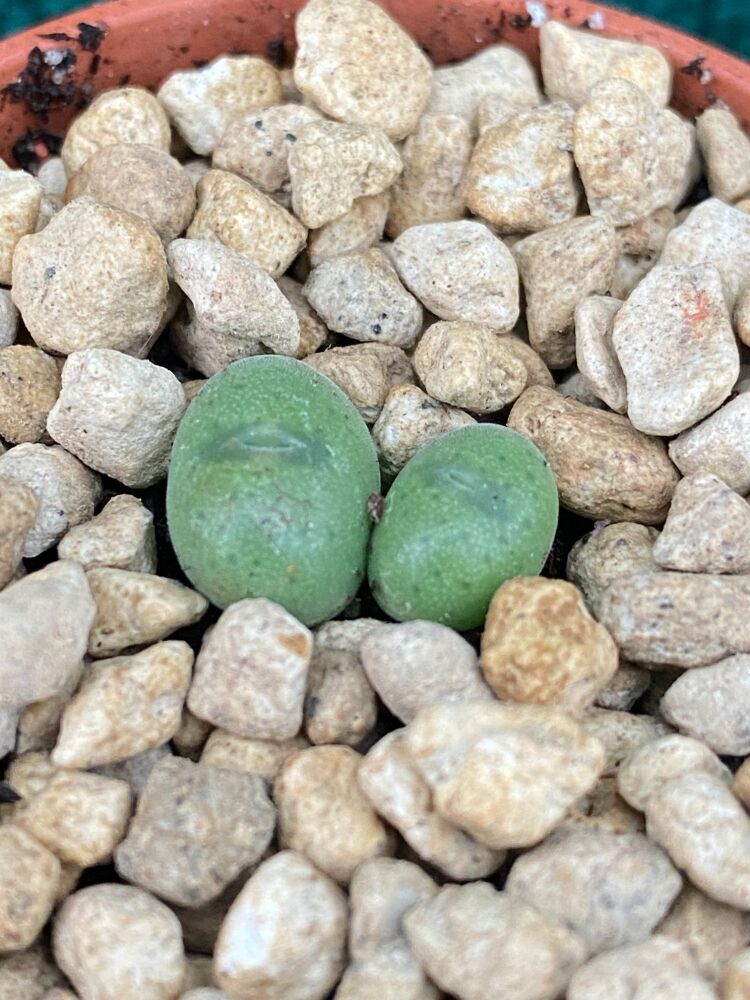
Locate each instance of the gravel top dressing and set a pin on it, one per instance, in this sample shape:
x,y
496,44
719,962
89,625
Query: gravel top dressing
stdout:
x,y
374,532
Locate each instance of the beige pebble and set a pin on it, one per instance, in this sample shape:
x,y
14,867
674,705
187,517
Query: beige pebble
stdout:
x,y
626,687
711,705
238,308
652,764
609,552
603,809
547,762
541,646
29,774
536,370
712,932
720,445
135,770
655,969
29,386
251,671
477,944
120,536
74,283
196,829
521,176
740,316
340,704
52,176
559,268
706,832
707,529
142,180
435,157
359,228
116,942
38,661
313,333
9,317
415,664
596,358
646,235
135,609
20,201
678,619
236,214
123,115
735,981
394,786
621,734
674,340
118,414
633,158
39,723
203,102
604,467
467,365
191,736
460,271
409,419
28,888
80,817
610,889
285,934
365,372
256,145
726,152
125,706
575,61
499,72
332,165
19,509
262,757
494,109
360,295
358,65
27,975
713,233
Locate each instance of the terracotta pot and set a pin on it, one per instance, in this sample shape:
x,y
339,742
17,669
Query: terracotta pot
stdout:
x,y
146,39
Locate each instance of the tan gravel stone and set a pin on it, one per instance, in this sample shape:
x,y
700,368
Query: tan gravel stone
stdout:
x,y
191,736
726,152
607,553
575,61
712,704
197,828
720,445
116,942
712,932
626,687
356,64
646,236
477,943
29,386
262,757
20,201
522,176
604,467
203,102
313,332
366,373
28,888
8,319
621,734
251,671
285,934
596,358
559,268
94,277
460,271
125,706
234,213
27,975
19,510
653,764
536,370
359,228
120,536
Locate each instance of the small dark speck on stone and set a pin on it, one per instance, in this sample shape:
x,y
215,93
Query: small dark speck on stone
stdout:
x,y
269,152
290,137
49,273
259,124
376,328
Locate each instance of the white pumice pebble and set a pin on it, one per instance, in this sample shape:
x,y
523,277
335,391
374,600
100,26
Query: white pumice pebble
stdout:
x,y
365,372
596,358
313,333
28,889
713,933
203,102
117,414
251,671
261,757
710,704
359,228
20,202
460,271
651,765
720,444
726,151
121,536
285,934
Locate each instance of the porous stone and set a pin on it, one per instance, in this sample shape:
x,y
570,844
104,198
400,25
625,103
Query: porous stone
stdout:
x,y
477,943
20,201
559,268
720,444
8,319
251,671
93,277
711,704
360,295
120,536
726,153
203,102
651,765
595,355
356,64
621,734
29,386
28,888
332,165
116,941
135,770
27,975
19,510
242,218
467,365
261,757
521,176
575,61
712,932
196,829
624,689
359,228
735,981
608,552
285,934
540,645
536,370
125,706
366,373
313,332
460,271
674,340
38,662
604,467
135,609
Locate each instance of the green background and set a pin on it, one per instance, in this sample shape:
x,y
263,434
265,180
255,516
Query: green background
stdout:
x,y
724,21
